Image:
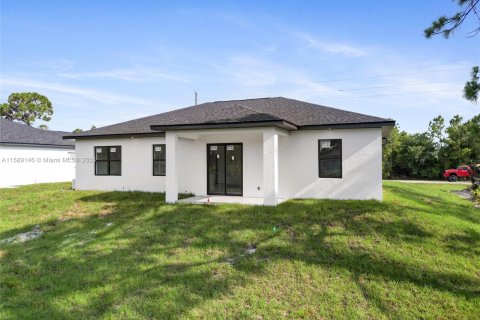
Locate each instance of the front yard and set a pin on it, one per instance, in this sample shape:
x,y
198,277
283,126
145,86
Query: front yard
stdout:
x,y
113,255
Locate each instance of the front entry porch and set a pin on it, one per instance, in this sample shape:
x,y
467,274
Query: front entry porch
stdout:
x,y
228,165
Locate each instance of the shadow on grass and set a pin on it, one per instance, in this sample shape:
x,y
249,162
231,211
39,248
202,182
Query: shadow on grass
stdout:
x,y
467,242
161,261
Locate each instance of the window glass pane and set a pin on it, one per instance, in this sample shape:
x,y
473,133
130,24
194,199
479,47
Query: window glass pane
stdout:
x,y
216,169
330,158
159,167
159,152
233,169
101,153
330,168
329,148
115,153
101,167
115,168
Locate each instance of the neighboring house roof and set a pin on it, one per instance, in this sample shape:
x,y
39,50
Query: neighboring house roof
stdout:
x,y
17,133
282,112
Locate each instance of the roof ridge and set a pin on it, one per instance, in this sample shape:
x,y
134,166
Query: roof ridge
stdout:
x,y
263,98
332,108
175,110
23,125
147,117
257,112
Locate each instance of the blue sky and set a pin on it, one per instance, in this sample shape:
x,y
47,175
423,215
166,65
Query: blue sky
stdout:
x,y
102,62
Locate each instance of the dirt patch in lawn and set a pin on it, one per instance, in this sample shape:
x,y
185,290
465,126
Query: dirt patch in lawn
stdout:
x,y
107,209
76,211
467,194
24,236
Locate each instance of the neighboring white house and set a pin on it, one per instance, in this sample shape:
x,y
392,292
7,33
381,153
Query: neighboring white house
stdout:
x,y
29,155
269,149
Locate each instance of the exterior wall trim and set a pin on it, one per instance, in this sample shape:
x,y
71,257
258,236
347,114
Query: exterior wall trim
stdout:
x,y
348,126
117,135
37,145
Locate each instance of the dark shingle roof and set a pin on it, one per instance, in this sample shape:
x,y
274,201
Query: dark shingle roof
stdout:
x,y
17,133
297,113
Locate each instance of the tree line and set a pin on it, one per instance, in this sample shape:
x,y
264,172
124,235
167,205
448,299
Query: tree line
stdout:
x,y
426,155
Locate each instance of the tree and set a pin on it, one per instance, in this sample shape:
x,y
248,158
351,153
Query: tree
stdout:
x,y
419,156
436,129
473,129
426,155
388,153
472,87
27,107
78,130
457,142
447,25
43,127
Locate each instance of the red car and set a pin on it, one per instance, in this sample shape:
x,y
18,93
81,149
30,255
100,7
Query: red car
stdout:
x,y
461,172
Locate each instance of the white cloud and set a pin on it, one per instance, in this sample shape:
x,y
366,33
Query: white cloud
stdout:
x,y
254,76
47,65
334,48
239,21
385,84
86,93
140,75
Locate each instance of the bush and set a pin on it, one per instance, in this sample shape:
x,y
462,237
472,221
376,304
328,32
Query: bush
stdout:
x,y
476,195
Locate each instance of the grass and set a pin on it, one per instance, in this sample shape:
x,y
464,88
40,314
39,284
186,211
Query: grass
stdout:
x,y
414,255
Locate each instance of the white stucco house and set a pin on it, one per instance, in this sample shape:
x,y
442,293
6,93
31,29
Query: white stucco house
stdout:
x,y
29,155
265,150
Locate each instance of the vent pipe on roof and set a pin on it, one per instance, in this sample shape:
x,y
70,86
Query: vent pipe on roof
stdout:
x,y
196,97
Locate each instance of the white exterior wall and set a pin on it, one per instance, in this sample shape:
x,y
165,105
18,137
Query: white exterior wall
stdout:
x,y
25,164
137,165
297,163
361,165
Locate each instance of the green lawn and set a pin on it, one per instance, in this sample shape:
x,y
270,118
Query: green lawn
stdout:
x,y
414,255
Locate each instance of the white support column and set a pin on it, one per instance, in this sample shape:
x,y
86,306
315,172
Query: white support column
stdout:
x,y
171,174
270,167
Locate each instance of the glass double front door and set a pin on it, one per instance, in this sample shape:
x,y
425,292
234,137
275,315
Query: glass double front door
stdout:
x,y
224,169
